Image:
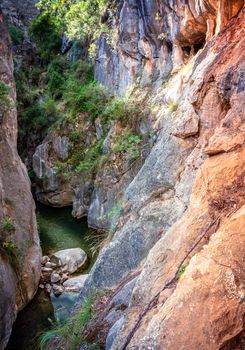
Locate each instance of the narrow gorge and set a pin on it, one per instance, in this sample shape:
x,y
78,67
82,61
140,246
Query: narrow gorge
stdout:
x,y
122,174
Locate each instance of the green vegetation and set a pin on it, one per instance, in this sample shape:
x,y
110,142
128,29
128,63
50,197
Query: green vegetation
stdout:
x,y
8,248
91,157
61,96
125,110
129,145
89,98
56,77
45,32
5,101
172,106
70,333
7,227
16,34
182,270
80,19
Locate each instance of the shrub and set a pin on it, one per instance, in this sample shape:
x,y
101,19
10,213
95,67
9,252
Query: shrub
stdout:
x,y
182,270
91,157
35,116
82,71
90,98
45,31
172,106
124,110
8,248
5,101
69,334
16,34
128,144
55,77
7,227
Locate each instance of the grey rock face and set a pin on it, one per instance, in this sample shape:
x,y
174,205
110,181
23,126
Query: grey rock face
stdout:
x,y
50,187
131,244
114,332
155,37
61,147
19,12
122,298
140,52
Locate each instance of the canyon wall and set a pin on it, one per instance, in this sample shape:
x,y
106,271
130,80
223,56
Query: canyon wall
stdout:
x,y
180,230
153,38
189,191
19,242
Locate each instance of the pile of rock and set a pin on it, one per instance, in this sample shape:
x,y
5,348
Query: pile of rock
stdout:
x,y
57,268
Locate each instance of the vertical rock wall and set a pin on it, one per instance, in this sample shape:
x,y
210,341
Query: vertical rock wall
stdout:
x,y
153,38
20,250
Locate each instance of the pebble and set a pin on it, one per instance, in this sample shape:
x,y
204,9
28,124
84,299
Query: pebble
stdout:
x,y
48,288
57,290
50,265
55,277
45,259
64,278
47,269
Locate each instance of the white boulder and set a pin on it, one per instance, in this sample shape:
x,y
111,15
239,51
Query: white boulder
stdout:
x,y
70,260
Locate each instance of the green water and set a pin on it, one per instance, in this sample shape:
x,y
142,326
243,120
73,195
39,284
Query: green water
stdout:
x,y
58,230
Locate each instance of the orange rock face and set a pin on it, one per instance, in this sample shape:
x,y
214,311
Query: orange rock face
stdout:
x,y
204,305
19,270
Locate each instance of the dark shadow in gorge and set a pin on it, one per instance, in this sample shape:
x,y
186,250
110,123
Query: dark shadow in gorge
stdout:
x,y
58,230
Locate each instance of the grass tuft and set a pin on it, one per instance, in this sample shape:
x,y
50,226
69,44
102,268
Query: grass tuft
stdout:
x,y
69,335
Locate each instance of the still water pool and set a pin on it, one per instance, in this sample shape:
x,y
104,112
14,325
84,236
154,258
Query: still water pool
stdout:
x,y
58,230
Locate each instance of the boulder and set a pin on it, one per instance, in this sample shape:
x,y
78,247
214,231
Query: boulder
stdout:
x,y
75,284
70,259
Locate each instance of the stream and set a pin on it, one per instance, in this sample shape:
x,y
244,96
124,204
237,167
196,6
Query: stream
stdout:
x,y
58,230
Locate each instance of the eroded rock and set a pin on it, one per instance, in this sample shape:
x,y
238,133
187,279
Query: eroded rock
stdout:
x,y
70,260
19,270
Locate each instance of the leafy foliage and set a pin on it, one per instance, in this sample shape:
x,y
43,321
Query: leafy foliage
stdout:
x,y
56,78
16,34
129,145
80,19
124,110
45,31
8,248
91,157
182,270
7,227
90,98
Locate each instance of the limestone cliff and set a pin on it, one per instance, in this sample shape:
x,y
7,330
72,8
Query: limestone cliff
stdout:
x,y
190,191
19,242
180,235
